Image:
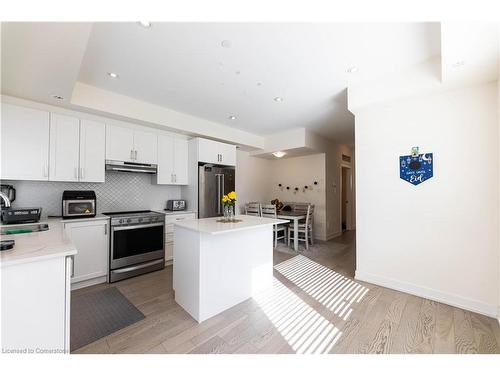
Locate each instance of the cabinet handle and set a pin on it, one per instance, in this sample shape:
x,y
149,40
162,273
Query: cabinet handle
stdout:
x,y
220,157
72,257
82,173
76,173
132,154
105,229
135,153
175,177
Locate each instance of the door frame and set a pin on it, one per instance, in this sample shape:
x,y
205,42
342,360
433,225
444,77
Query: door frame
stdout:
x,y
349,224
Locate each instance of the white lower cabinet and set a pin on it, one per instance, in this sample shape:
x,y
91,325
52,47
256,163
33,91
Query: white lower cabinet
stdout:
x,y
36,306
170,220
91,239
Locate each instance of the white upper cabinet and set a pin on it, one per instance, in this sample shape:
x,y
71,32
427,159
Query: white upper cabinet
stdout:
x,y
76,149
132,145
181,165
37,145
64,148
172,160
145,147
208,151
25,143
227,154
119,143
165,174
216,152
92,151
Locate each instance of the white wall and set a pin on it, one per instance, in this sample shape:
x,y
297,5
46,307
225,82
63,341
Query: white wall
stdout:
x,y
498,93
439,239
299,172
252,179
257,179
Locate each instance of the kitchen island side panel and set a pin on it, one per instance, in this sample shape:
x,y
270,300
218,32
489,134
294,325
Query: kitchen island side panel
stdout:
x,y
186,270
234,266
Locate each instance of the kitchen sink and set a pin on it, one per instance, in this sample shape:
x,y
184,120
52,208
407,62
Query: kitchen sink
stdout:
x,y
24,228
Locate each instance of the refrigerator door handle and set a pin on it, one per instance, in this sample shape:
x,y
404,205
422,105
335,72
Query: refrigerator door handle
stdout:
x,y
218,194
223,187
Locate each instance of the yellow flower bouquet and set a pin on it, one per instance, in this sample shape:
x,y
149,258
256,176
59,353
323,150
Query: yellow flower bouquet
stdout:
x,y
229,199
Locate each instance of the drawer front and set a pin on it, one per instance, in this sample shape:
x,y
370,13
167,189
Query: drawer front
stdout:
x,y
174,218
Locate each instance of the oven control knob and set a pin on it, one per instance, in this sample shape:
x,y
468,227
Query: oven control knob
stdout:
x,y
121,221
129,220
140,220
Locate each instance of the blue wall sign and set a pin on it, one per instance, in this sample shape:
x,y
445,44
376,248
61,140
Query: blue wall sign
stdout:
x,y
416,169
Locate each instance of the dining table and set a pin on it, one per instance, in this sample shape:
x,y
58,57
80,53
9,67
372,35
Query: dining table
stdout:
x,y
295,217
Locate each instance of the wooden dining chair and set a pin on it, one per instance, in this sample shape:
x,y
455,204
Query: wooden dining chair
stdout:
x,y
302,208
269,210
304,228
252,209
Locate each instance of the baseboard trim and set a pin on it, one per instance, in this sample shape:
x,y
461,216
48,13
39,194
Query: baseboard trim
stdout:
x,y
331,236
432,294
86,283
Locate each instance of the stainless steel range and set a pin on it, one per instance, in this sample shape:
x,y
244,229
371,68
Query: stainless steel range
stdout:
x,y
137,243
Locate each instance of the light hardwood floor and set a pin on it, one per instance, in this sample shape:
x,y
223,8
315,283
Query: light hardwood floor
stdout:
x,y
315,306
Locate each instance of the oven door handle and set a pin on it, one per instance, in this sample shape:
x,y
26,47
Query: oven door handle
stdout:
x,y
116,229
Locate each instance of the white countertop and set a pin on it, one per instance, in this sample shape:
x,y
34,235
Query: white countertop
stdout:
x,y
211,226
37,245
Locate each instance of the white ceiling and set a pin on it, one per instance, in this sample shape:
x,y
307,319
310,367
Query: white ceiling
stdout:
x,y
184,67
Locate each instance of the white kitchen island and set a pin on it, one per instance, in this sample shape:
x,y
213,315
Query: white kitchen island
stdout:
x,y
218,265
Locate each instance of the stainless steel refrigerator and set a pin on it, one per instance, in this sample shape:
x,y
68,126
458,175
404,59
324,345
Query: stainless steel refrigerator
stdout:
x,y
213,183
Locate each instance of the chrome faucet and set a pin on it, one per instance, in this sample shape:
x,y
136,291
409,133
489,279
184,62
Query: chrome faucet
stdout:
x,y
6,199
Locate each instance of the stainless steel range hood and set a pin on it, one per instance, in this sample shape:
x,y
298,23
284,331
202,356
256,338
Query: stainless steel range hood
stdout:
x,y
125,166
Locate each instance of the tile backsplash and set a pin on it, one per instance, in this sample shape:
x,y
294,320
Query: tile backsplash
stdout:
x,y
121,191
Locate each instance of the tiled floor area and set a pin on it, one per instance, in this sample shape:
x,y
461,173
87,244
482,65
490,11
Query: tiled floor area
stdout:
x,y
315,306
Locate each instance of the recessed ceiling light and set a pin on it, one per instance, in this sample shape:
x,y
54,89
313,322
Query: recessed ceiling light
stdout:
x,y
226,43
113,75
58,97
279,154
458,64
232,117
353,69
145,24
278,99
